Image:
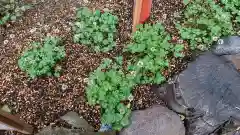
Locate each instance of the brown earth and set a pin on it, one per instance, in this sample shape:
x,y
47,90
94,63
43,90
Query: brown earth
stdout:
x,y
42,101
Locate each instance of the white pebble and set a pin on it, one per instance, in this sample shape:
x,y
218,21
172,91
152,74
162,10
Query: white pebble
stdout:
x,y
56,30
64,87
85,80
220,41
164,16
85,1
12,35
33,30
5,42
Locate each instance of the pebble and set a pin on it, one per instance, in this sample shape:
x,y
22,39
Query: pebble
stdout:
x,y
56,30
107,10
33,30
164,16
85,80
12,35
46,27
64,87
5,42
85,1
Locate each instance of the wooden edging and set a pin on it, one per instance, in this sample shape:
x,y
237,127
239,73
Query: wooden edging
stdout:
x,y
11,122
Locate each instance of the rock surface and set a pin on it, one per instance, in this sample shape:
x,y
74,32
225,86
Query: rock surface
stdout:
x,y
234,59
211,84
227,46
63,131
157,120
75,120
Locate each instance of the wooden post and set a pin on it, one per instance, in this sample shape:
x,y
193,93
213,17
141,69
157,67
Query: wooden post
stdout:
x,y
142,10
13,123
136,13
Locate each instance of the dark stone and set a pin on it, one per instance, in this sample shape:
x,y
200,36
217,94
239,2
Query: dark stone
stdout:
x,y
157,120
211,84
234,59
75,120
64,131
227,46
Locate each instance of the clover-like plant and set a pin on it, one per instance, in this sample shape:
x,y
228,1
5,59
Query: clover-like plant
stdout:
x,y
109,87
41,59
95,29
204,21
151,48
11,10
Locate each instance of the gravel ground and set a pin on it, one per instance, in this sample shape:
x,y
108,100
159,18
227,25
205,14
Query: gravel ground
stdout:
x,y
41,101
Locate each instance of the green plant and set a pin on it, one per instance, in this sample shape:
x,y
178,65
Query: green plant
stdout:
x,y
11,10
108,86
204,22
234,7
41,59
95,29
151,48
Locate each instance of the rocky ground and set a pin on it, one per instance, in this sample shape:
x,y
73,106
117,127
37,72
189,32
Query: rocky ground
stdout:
x,y
42,101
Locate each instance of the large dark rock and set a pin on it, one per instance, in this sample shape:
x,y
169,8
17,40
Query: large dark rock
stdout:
x,y
211,84
234,59
157,120
227,46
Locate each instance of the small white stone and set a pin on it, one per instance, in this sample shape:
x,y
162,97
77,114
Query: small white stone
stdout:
x,y
73,8
238,32
139,101
85,80
220,41
107,10
56,30
164,16
33,30
201,47
5,42
133,73
64,87
85,1
130,97
180,41
68,29
12,36
46,27
49,34
215,38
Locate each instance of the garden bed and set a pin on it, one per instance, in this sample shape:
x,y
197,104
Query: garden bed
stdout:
x,y
43,100
150,56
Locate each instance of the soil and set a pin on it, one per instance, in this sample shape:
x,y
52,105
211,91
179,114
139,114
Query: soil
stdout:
x,y
43,100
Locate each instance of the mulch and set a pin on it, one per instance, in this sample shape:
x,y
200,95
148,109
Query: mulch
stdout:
x,y
41,101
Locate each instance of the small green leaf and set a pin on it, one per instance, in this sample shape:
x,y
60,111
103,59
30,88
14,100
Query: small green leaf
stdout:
x,y
119,60
125,121
185,2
